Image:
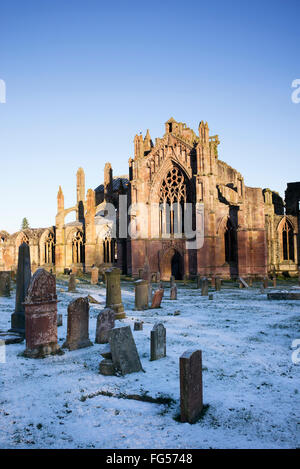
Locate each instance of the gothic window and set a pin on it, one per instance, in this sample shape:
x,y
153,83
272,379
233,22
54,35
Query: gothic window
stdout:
x,y
49,249
173,191
78,248
24,239
109,250
287,241
230,239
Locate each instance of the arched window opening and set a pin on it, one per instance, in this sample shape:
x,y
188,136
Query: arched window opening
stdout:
x,y
287,242
230,239
50,249
173,197
78,248
109,251
24,239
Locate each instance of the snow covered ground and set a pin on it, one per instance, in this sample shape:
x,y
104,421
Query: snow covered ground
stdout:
x,y
251,385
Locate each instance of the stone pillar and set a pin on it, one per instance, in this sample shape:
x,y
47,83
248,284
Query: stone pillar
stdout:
x,y
204,287
4,283
113,292
23,280
94,275
72,283
78,325
41,316
141,289
105,323
158,342
191,393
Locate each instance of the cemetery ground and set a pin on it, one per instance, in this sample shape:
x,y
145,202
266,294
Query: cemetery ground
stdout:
x,y
250,384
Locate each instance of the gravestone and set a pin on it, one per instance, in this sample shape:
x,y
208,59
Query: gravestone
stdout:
x,y
213,282
173,293
105,323
185,279
94,275
218,284
5,283
113,292
106,367
138,326
78,325
204,287
158,342
157,298
274,282
72,283
250,281
210,296
124,353
284,295
172,281
198,281
191,392
265,282
141,289
23,280
41,316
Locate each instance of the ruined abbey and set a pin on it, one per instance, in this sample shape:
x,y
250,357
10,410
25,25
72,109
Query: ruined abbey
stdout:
x,y
248,232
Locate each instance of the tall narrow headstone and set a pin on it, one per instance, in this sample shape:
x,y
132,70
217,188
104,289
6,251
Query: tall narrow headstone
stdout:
x,y
124,353
198,281
94,275
265,282
173,293
78,325
191,392
213,282
172,281
72,283
41,316
158,342
204,287
23,281
141,288
5,283
105,323
113,292
218,284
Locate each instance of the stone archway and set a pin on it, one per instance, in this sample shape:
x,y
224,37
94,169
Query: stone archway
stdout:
x,y
172,264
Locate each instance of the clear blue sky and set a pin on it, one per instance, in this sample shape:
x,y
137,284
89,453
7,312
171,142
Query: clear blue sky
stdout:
x,y
84,76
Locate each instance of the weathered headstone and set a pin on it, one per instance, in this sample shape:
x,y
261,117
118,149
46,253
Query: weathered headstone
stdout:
x,y
191,392
250,281
204,287
158,342
5,283
265,282
78,325
211,296
274,282
141,288
172,281
124,353
157,298
218,284
198,281
138,326
94,275
105,323
23,280
41,316
113,292
173,293
72,283
213,282
106,367
284,295
185,279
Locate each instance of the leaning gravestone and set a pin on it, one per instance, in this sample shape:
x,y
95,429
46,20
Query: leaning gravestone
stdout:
x,y
41,316
78,325
5,283
113,292
243,283
158,342
204,287
124,353
191,393
23,280
141,289
72,283
105,323
157,298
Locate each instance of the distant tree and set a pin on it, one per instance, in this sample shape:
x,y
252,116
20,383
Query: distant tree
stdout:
x,y
25,224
